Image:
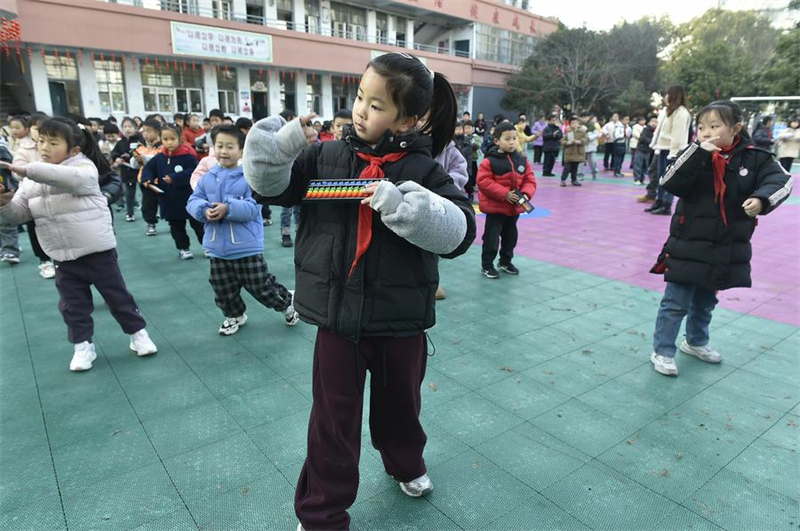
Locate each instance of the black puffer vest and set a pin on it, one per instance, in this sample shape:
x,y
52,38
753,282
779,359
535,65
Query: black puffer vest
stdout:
x,y
392,290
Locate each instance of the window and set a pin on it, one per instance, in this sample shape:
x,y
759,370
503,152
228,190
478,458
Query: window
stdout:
x,y
222,9
349,22
171,90
344,94
226,91
502,46
60,67
285,13
180,6
288,94
255,14
110,86
381,27
312,16
314,93
400,31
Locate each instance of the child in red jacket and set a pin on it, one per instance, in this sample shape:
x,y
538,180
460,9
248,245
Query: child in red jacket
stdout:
x,y
505,180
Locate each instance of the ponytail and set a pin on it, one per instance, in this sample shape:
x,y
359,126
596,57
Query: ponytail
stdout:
x,y
92,151
444,112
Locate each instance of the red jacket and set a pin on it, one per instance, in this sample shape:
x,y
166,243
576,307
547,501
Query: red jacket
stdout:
x,y
189,136
326,137
500,173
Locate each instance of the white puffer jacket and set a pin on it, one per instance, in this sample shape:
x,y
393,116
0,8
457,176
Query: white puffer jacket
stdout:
x,y
64,200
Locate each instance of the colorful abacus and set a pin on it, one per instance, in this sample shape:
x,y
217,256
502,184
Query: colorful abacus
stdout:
x,y
338,189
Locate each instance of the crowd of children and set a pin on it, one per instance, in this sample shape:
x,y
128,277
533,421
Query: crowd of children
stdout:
x,y
367,272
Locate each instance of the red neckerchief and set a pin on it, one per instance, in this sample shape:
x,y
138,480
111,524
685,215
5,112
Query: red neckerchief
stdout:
x,y
718,164
373,171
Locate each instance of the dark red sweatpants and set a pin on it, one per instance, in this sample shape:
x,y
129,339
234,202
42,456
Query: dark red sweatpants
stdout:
x,y
328,483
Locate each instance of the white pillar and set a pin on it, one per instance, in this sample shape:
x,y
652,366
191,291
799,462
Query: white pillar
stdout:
x,y
240,10
301,97
270,12
469,103
243,92
274,89
391,32
41,88
210,88
325,17
410,34
372,26
327,96
299,15
89,91
205,8
134,97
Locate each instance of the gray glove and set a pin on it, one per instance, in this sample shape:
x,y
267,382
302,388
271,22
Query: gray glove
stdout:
x,y
427,220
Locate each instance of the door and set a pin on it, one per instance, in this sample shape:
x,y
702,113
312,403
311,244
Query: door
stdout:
x,y
58,98
260,105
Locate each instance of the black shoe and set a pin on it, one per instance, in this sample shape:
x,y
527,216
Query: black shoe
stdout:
x,y
509,268
662,211
576,183
490,272
267,222
548,175
618,175
286,240
655,206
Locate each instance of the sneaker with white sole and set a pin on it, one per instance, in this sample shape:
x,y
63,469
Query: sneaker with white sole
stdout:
x,y
231,325
83,357
47,270
141,343
185,254
664,365
418,487
10,258
705,353
150,230
300,527
130,218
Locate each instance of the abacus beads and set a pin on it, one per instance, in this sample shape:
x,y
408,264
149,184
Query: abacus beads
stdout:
x,y
338,189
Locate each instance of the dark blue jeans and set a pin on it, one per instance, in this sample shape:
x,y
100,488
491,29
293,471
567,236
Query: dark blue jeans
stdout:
x,y
618,156
683,300
662,195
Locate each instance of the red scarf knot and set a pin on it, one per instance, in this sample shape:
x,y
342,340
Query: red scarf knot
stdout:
x,y
373,171
719,162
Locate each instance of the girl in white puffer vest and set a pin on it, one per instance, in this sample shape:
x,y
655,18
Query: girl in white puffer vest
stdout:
x,y
62,195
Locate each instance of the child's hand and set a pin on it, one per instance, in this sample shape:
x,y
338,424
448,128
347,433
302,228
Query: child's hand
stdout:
x,y
753,206
370,191
5,196
221,210
512,197
19,170
709,144
167,179
311,134
138,157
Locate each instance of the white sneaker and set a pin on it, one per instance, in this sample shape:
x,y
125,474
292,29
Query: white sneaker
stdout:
x,y
664,365
300,527
185,254
205,253
83,357
291,316
231,325
141,343
47,270
130,218
418,487
706,354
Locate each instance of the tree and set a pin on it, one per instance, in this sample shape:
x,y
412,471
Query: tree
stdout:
x,y
718,54
781,74
635,101
569,68
636,47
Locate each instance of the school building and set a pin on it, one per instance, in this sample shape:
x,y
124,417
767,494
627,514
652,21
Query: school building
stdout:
x,y
249,58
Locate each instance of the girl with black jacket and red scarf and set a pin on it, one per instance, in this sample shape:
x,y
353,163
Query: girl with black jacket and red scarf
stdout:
x,y
723,183
366,272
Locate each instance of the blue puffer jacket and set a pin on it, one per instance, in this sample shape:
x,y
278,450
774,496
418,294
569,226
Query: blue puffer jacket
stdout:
x,y
241,232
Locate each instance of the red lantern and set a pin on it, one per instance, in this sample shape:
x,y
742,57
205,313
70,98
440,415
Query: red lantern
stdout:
x,y
113,58
166,65
102,57
174,64
260,72
30,52
157,68
194,66
122,58
80,57
56,54
184,65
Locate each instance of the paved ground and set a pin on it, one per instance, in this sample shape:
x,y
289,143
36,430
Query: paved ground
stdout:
x,y
541,407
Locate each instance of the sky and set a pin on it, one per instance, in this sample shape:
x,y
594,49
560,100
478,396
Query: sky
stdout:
x,y
604,14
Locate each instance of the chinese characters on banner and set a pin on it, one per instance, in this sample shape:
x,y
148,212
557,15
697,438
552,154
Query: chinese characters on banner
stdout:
x,y
218,43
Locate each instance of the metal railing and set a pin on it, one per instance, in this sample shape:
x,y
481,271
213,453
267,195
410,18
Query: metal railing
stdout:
x,y
191,7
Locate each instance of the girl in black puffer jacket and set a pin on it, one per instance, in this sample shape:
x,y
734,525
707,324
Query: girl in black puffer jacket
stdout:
x,y
366,272
723,183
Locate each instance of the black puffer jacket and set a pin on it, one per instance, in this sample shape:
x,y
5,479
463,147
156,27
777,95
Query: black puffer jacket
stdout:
x,y
392,290
701,249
